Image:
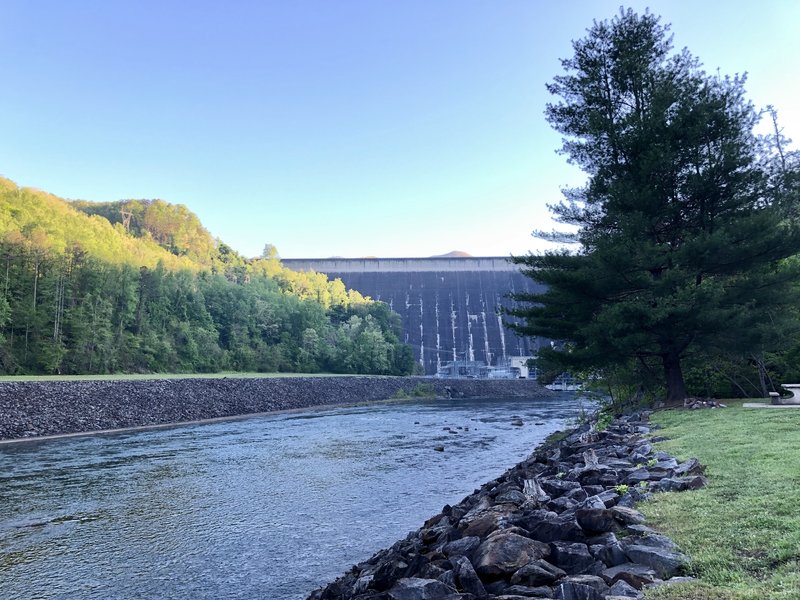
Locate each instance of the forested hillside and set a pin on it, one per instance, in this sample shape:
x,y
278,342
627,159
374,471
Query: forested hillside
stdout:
x,y
141,286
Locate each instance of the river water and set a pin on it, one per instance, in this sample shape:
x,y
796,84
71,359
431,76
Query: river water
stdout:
x,y
268,507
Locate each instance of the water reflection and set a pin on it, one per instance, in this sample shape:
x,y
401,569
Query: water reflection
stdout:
x,y
267,507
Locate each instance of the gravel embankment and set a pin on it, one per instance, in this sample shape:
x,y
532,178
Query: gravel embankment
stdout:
x,y
34,409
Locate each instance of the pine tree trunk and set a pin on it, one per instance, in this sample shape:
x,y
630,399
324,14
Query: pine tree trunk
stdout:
x,y
676,388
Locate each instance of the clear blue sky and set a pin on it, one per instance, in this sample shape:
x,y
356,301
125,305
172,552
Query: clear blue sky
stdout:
x,y
347,127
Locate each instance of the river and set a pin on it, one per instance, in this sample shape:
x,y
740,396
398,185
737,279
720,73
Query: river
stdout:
x,y
266,507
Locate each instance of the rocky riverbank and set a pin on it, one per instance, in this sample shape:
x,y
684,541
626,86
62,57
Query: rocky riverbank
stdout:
x,y
561,525
34,409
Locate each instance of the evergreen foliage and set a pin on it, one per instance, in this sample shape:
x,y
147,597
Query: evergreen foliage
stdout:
x,y
686,222
84,295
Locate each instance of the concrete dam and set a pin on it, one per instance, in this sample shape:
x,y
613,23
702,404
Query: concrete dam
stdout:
x,y
450,307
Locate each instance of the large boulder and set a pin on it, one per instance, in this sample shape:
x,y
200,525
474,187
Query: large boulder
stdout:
x,y
537,573
393,567
572,557
666,563
637,476
503,553
463,547
690,467
679,484
482,523
595,520
624,589
551,527
627,515
529,592
422,589
570,590
592,581
558,487
608,550
466,578
633,574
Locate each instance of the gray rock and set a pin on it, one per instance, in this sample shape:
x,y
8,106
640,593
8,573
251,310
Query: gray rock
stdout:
x,y
463,547
666,563
600,476
552,529
577,591
501,554
572,557
628,499
595,520
633,574
690,467
362,584
644,449
512,497
448,578
537,573
466,577
496,588
642,530
559,505
432,571
593,502
623,588
679,484
392,567
668,463
504,487
593,581
530,592
609,497
627,516
593,490
484,522
637,476
609,552
651,539
577,494
422,589
558,487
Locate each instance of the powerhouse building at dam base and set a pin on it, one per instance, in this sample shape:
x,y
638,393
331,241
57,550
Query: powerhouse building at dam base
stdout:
x,y
451,307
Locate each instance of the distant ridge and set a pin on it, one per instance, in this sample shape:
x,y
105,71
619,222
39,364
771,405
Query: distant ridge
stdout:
x,y
454,254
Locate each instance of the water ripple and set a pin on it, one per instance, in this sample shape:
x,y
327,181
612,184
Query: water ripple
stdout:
x,y
269,507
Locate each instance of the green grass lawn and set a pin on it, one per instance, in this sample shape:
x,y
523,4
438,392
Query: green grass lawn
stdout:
x,y
742,531
134,376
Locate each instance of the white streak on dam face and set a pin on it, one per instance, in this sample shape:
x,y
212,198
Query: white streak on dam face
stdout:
x,y
419,290
488,355
453,326
502,335
421,334
470,320
438,337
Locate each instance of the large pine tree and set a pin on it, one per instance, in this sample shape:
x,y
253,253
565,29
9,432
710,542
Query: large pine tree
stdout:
x,y
685,222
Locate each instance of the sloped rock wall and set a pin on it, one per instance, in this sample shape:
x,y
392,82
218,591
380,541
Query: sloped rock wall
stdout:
x,y
32,409
558,525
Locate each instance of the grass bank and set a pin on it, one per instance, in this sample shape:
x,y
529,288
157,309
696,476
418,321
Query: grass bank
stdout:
x,y
742,531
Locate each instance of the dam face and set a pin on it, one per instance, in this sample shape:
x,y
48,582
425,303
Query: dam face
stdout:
x,y
450,307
